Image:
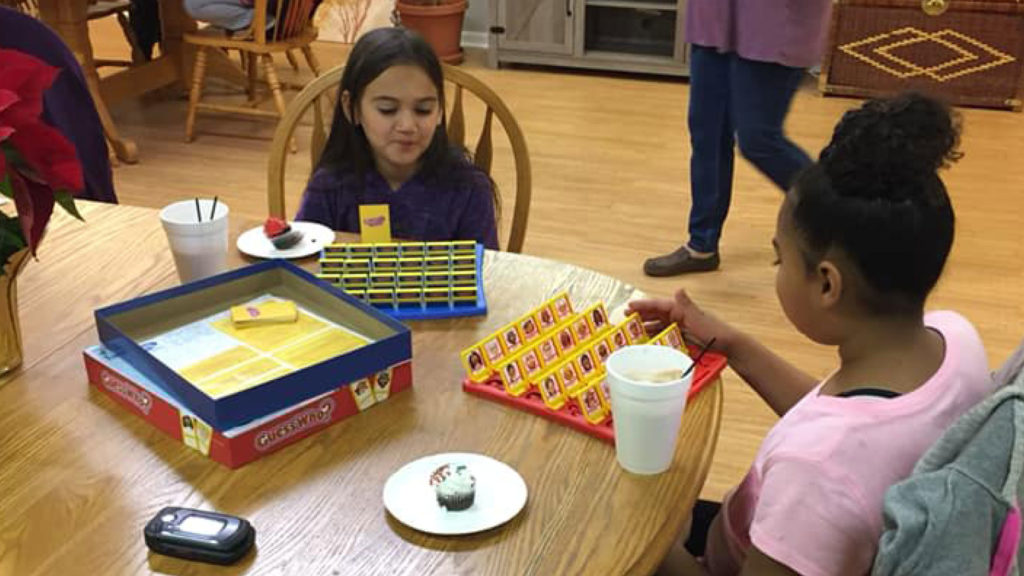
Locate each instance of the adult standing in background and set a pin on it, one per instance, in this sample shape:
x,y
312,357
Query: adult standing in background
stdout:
x,y
748,58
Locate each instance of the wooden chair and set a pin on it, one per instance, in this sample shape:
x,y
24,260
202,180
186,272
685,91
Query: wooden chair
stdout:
x,y
293,29
321,95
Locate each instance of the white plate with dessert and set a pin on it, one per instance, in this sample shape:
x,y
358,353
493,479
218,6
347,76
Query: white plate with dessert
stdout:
x,y
280,239
455,493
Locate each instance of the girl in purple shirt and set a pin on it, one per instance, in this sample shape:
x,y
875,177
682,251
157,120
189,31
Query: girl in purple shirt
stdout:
x,y
389,145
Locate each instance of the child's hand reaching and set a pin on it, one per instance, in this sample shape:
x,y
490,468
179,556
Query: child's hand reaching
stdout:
x,y
698,326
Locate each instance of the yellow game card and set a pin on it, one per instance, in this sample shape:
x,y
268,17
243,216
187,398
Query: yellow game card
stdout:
x,y
382,385
589,399
271,312
551,390
375,223
562,307
568,377
473,362
565,341
587,365
548,351
670,337
635,330
362,393
597,317
512,377
602,350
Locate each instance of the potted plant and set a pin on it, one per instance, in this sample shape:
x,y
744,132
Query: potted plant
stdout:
x,y
439,21
39,167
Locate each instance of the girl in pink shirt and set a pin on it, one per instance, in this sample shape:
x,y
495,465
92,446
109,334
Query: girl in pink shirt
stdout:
x,y
861,240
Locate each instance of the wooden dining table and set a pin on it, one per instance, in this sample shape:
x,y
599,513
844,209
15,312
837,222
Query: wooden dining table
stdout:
x,y
80,476
173,65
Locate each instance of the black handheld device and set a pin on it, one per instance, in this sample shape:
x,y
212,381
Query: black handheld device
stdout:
x,y
199,535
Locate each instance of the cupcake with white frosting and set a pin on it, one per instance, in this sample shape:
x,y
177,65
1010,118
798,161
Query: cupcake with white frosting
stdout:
x,y
454,486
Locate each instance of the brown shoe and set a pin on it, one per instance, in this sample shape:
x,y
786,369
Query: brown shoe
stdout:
x,y
682,261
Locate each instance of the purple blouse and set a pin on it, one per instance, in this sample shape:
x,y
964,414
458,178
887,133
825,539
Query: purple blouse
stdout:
x,y
788,32
459,208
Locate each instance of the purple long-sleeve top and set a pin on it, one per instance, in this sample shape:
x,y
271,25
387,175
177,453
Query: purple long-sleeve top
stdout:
x,y
459,206
788,32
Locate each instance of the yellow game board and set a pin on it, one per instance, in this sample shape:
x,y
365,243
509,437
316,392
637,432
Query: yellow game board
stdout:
x,y
221,359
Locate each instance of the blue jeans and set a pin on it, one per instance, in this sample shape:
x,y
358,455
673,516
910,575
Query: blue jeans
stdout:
x,y
732,98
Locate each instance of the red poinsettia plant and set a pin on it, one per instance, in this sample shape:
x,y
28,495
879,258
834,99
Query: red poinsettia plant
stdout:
x,y
38,165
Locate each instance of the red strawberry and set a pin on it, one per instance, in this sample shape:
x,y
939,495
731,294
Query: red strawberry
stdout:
x,y
275,227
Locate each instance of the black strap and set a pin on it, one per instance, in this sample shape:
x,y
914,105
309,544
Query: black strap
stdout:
x,y
880,392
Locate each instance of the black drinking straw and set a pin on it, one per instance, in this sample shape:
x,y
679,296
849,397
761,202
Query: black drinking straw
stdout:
x,y
213,210
699,356
199,215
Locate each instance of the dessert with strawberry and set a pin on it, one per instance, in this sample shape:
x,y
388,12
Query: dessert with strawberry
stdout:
x,y
280,233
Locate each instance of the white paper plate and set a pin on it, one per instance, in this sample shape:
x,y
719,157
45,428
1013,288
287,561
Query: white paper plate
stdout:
x,y
500,495
314,237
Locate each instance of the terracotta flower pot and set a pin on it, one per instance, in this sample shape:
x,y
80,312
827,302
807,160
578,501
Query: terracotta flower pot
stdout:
x,y
441,25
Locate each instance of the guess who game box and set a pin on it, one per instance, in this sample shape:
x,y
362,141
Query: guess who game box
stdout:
x,y
550,362
244,363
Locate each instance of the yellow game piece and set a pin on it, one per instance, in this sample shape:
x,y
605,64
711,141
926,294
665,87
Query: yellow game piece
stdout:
x,y
548,351
437,278
511,339
494,352
437,263
375,223
464,277
528,328
546,318
460,247
409,295
357,266
565,340
587,365
413,250
589,400
410,264
360,250
568,376
635,329
597,317
386,250
670,337
464,293
386,264
529,360
512,377
382,279
562,307
551,390
272,312
437,294
380,295
332,264
438,249
464,262
410,279
354,281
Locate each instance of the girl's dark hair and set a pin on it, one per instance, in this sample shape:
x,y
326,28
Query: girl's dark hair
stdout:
x,y
875,194
347,148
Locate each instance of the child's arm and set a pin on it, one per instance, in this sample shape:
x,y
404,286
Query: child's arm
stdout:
x,y
777,381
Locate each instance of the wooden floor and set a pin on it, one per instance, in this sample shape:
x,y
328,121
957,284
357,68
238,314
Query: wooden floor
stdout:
x,y
610,172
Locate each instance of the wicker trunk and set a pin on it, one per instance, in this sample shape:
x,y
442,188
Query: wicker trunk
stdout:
x,y
969,52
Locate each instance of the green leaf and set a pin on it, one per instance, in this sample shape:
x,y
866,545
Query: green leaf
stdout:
x,y
11,240
5,187
67,202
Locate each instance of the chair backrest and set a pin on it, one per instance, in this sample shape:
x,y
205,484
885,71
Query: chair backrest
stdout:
x,y
321,95
291,17
25,6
